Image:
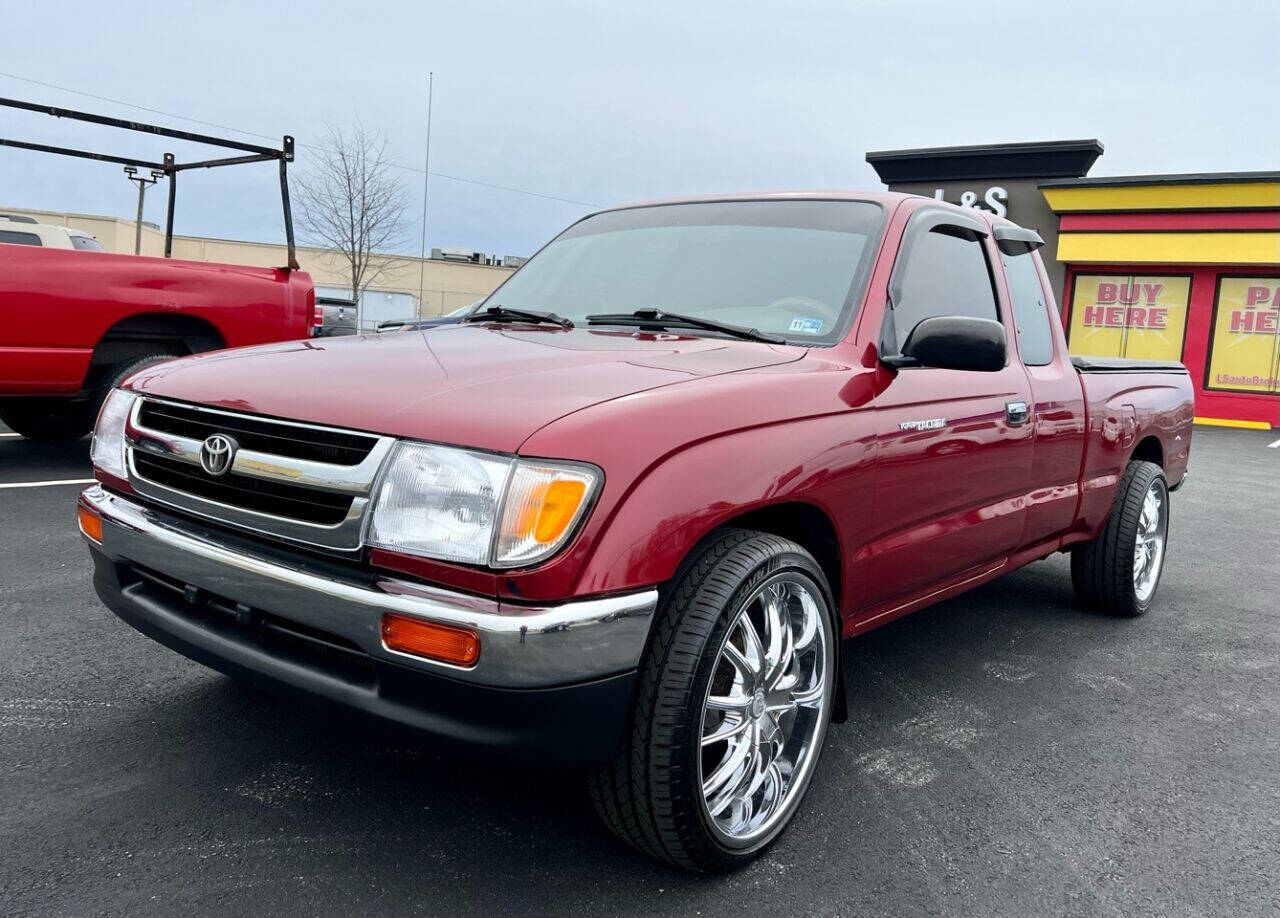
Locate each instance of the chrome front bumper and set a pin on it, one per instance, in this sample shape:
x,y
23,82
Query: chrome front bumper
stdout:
x,y
521,647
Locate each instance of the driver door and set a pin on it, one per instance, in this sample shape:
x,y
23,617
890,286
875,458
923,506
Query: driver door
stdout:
x,y
954,446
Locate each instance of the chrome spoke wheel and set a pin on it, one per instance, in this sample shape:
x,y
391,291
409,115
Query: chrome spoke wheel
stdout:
x,y
1148,548
765,709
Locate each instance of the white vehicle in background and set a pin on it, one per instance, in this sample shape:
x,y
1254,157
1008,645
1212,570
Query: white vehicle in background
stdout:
x,y
26,231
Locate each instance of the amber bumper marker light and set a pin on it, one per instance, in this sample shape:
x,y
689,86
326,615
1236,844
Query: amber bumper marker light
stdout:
x,y
405,634
90,524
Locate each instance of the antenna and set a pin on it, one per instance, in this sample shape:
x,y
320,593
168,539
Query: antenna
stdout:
x,y
426,175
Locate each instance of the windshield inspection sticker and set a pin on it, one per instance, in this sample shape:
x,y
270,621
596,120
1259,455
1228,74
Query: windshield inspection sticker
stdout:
x,y
806,326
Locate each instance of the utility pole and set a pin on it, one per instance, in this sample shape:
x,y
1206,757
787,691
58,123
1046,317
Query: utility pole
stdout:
x,y
426,174
143,184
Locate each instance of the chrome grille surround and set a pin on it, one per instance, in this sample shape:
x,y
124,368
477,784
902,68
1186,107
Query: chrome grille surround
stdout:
x,y
332,480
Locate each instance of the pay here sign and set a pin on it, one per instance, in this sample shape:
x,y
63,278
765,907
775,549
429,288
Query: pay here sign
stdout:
x,y
1245,354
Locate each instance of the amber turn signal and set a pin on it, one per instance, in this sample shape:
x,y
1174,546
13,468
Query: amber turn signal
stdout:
x,y
90,524
427,639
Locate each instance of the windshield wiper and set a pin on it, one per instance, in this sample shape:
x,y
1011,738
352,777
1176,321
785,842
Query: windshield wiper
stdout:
x,y
507,314
661,319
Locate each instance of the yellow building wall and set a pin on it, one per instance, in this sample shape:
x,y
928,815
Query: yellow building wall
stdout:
x,y
1162,196
1209,248
437,286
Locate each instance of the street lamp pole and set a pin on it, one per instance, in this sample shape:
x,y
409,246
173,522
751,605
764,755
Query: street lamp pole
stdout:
x,y
142,183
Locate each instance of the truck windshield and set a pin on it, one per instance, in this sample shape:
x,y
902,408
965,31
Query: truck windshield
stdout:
x,y
794,269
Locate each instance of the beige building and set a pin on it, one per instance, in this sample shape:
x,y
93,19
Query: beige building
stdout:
x,y
410,285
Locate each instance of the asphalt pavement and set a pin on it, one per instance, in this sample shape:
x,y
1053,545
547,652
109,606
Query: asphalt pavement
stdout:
x,y
1008,753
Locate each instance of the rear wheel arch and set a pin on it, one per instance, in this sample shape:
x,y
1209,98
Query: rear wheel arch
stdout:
x,y
152,333
1149,449
139,340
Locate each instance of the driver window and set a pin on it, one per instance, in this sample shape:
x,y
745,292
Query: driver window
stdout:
x,y
946,274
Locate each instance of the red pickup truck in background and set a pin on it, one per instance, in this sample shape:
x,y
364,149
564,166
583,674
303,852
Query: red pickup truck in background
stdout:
x,y
625,511
74,323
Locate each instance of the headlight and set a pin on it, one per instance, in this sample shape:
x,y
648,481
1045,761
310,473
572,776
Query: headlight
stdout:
x,y
439,502
476,508
107,449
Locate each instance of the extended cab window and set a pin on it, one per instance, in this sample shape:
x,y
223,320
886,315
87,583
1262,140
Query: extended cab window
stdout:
x,y
1030,311
945,274
19,238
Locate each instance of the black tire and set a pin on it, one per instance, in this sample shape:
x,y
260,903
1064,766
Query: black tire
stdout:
x,y
1102,570
117,373
47,419
648,795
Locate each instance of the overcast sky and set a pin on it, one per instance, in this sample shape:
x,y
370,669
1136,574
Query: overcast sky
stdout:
x,y
602,103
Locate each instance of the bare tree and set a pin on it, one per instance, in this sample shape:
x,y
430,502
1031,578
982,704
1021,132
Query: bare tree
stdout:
x,y
353,203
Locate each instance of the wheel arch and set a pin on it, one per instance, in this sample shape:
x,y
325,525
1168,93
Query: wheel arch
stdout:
x,y
805,524
147,332
809,526
1149,449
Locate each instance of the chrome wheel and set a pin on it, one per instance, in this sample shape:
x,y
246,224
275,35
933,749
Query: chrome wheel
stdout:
x,y
765,712
1148,547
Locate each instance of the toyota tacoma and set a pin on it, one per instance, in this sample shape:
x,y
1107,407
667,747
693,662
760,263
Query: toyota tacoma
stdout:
x,y
625,513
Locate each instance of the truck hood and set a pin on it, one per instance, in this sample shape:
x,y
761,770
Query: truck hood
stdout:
x,y
485,386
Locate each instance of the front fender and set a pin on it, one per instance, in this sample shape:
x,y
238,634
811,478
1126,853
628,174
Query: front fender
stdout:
x,y
818,461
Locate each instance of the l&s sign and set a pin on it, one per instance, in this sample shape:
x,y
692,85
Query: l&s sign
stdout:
x,y
994,199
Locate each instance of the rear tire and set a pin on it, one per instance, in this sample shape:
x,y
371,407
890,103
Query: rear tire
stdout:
x,y
1118,572
749,712
47,419
117,373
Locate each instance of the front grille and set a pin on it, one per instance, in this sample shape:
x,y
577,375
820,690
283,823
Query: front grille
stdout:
x,y
301,483
294,441
256,494
282,638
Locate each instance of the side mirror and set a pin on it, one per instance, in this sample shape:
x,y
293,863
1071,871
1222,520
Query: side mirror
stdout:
x,y
957,343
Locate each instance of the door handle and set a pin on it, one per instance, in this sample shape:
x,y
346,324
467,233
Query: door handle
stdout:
x,y
1016,413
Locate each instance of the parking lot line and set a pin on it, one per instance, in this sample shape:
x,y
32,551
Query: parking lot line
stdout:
x,y
10,435
46,484
1273,445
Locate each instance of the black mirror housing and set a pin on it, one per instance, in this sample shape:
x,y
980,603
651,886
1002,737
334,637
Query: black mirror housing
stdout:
x,y
957,343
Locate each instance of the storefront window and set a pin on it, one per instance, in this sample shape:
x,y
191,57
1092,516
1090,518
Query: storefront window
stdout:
x,y
1126,315
1244,352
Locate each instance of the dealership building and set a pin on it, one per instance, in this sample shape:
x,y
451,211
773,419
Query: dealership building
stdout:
x,y
1157,267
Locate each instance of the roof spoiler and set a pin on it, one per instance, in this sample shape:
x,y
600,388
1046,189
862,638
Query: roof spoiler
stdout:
x,y
1016,240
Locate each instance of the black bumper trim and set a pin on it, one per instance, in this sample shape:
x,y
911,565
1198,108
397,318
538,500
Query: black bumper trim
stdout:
x,y
566,725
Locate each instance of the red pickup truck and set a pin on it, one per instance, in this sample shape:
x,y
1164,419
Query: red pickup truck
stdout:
x,y
625,512
74,323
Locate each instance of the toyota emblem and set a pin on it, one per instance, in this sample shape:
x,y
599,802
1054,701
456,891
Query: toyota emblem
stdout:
x,y
217,454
